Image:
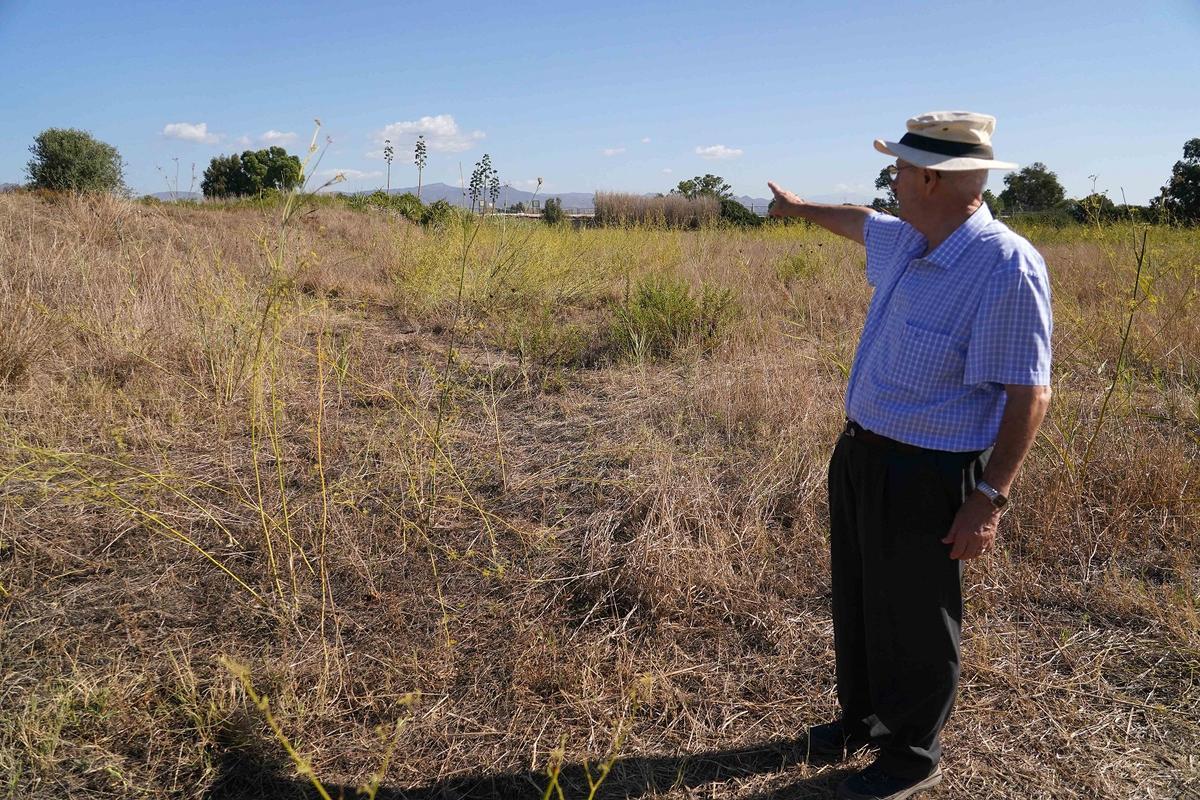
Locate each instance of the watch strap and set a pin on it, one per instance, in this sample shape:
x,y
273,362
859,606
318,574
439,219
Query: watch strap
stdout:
x,y
994,496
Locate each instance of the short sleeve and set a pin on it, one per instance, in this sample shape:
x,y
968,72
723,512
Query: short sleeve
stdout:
x,y
890,242
1010,337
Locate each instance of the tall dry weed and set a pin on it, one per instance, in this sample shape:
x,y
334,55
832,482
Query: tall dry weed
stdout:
x,y
670,211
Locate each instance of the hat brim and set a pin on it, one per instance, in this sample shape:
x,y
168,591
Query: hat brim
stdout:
x,y
923,158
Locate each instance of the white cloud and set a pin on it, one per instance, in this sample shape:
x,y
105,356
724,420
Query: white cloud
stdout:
x,y
442,134
278,137
243,141
645,140
667,170
612,151
718,152
190,132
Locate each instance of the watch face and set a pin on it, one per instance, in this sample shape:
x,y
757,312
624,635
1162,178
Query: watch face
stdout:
x,y
999,501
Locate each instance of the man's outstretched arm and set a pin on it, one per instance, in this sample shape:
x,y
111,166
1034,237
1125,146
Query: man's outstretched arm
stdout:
x,y
845,221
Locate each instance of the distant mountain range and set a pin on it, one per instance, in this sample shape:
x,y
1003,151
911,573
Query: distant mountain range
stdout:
x,y
9,187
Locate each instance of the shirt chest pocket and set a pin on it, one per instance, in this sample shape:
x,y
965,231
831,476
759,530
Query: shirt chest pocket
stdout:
x,y
925,359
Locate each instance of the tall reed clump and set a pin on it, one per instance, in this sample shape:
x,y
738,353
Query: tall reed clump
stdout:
x,y
670,211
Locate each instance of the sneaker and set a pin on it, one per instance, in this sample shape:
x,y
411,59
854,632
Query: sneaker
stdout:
x,y
829,742
876,783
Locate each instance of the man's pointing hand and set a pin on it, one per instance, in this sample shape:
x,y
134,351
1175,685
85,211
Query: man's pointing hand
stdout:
x,y
785,202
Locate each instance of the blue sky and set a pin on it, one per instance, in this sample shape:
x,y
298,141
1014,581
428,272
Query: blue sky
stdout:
x,y
621,96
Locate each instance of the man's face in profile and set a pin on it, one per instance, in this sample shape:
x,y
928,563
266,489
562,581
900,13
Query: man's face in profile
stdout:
x,y
902,174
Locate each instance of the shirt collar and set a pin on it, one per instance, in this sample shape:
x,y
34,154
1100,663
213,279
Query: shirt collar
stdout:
x,y
949,250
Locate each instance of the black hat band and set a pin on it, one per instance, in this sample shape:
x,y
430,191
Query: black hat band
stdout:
x,y
942,147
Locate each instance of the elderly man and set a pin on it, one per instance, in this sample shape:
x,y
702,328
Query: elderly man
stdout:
x,y
948,388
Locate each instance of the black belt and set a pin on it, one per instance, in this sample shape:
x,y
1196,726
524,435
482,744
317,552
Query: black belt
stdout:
x,y
856,431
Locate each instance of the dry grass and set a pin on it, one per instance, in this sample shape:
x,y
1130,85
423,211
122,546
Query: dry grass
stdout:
x,y
672,210
210,452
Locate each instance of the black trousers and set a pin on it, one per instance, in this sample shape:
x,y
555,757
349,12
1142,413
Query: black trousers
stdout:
x,y
897,594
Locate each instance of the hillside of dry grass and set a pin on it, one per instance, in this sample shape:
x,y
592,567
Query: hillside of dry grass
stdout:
x,y
472,503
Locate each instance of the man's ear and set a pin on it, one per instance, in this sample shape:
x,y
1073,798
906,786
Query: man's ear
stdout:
x,y
930,179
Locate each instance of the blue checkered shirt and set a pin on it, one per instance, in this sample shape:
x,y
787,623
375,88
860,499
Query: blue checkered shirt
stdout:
x,y
945,332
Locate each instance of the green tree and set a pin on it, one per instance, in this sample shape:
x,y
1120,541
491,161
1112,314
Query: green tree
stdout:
x,y
1034,188
1134,213
552,211
888,202
279,170
68,159
1180,198
704,186
994,203
1095,208
224,177
485,181
251,173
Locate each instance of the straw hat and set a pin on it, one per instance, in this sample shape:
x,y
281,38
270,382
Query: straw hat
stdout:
x,y
950,140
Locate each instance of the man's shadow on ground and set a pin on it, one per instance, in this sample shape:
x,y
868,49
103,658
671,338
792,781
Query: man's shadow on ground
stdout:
x,y
241,775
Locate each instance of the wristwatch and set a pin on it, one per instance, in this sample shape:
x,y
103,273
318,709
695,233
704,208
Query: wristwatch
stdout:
x,y
992,494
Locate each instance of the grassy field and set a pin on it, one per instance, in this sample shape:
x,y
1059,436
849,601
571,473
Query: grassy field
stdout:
x,y
445,512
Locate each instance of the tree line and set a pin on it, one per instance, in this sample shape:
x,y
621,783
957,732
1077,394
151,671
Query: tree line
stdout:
x,y
1036,189
68,159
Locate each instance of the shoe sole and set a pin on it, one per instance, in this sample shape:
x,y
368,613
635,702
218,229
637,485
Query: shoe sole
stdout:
x,y
930,782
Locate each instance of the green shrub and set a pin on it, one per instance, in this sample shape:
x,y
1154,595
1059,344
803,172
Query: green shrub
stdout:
x,y
410,206
71,160
1093,209
552,212
1054,218
545,341
358,202
661,315
734,213
439,214
1145,215
796,266
407,205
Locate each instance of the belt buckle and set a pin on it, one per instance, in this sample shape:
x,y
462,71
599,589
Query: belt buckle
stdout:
x,y
849,430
